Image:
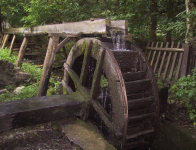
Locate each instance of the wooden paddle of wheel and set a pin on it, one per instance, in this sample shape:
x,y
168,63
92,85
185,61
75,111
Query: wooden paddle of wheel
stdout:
x,y
122,100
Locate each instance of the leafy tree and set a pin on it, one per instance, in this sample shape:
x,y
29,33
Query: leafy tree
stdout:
x,y
191,22
149,20
13,10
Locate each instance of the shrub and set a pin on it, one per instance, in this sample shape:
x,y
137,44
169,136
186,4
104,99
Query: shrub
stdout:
x,y
184,90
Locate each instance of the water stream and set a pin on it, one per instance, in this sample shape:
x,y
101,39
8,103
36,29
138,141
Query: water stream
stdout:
x,y
118,40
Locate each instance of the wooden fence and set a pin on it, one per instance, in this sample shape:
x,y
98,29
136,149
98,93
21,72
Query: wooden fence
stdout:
x,y
169,61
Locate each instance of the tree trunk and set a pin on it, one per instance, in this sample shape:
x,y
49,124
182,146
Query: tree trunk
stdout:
x,y
0,21
169,16
188,31
154,10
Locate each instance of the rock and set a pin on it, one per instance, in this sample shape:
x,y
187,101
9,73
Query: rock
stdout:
x,y
10,75
18,90
22,76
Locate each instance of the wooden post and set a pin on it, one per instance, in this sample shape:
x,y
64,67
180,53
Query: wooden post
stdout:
x,y
1,38
12,44
185,61
22,50
48,62
6,36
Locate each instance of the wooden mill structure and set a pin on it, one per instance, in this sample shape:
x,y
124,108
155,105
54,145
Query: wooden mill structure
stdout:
x,y
126,115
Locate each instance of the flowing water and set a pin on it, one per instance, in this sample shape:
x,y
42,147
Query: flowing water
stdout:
x,y
118,40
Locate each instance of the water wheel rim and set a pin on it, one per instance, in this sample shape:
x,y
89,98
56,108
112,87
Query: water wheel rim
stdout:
x,y
114,76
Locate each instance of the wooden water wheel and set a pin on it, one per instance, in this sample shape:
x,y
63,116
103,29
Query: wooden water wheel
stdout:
x,y
120,90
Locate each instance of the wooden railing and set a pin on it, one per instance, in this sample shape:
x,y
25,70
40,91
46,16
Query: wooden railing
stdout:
x,y
169,61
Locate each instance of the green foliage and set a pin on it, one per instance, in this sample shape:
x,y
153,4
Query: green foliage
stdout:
x,y
184,90
31,87
178,27
27,92
103,82
54,87
4,54
13,11
138,13
32,69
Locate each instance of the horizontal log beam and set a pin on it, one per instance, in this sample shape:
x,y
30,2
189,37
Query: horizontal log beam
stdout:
x,y
99,26
21,113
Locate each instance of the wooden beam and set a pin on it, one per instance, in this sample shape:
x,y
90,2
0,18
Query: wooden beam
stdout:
x,y
47,67
6,36
96,26
60,45
22,50
21,113
12,44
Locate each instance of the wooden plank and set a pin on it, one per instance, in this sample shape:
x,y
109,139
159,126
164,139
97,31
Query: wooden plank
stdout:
x,y
127,60
146,51
141,117
179,66
5,41
48,62
168,62
140,133
140,103
163,60
22,50
137,86
12,44
153,57
131,76
173,63
158,59
21,113
149,54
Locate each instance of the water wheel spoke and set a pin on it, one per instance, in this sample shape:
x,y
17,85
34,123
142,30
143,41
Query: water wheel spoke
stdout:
x,y
97,75
72,74
86,63
106,118
68,89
